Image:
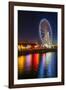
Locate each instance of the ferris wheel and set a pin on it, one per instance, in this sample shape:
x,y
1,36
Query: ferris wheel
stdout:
x,y
45,32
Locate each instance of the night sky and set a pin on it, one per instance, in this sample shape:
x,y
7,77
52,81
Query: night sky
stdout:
x,y
28,25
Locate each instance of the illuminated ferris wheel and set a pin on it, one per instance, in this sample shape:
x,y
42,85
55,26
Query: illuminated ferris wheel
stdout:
x,y
45,33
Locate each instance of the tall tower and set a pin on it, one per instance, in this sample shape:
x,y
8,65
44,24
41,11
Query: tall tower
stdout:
x,y
45,33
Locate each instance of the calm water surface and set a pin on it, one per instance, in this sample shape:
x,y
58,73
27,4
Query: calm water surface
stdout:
x,y
37,65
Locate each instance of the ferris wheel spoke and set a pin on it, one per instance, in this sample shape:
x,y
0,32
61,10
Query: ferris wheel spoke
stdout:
x,y
45,32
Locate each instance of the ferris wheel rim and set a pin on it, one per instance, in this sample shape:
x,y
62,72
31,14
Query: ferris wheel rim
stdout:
x,y
44,20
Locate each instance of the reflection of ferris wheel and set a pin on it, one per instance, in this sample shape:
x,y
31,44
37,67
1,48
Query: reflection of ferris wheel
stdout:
x,y
45,32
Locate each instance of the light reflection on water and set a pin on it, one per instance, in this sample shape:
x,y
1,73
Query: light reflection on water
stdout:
x,y
42,66
28,62
37,65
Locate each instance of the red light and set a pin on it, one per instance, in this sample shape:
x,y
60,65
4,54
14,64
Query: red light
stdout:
x,y
35,61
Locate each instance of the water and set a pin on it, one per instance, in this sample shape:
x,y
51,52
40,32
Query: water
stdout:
x,y
37,65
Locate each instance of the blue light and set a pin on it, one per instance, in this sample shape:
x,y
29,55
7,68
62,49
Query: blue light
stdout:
x,y
52,65
42,67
